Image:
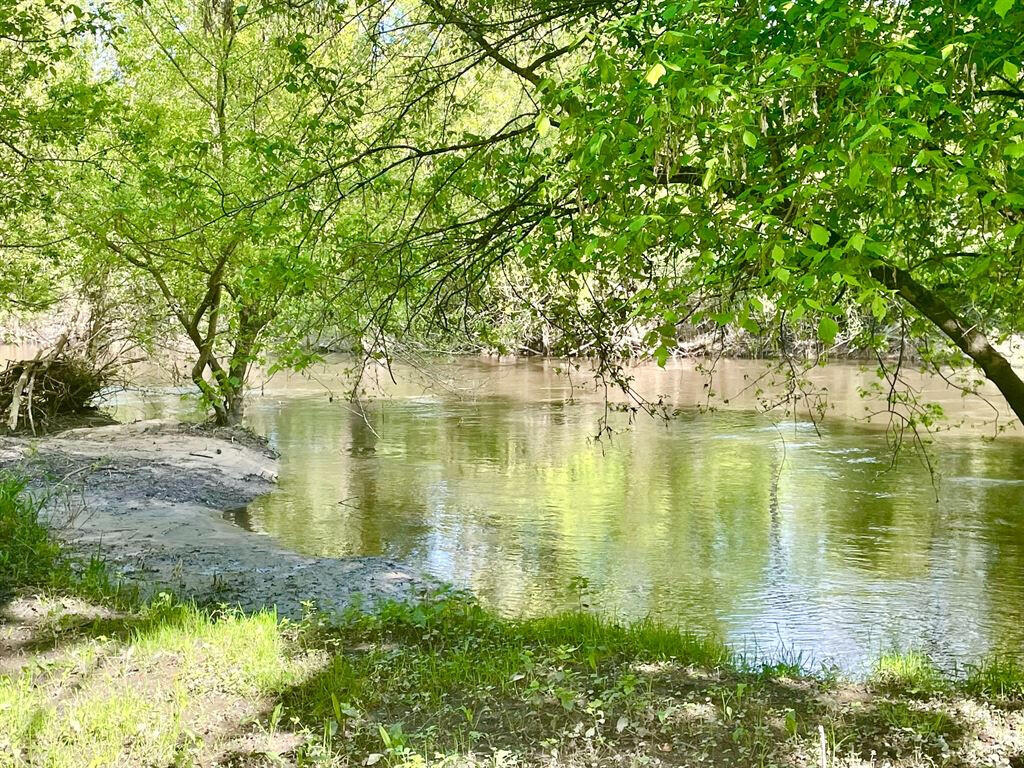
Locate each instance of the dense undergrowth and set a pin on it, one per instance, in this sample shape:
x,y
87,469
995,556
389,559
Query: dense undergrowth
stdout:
x,y
92,675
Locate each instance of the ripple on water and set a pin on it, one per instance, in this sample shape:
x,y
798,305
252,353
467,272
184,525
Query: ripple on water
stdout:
x,y
773,536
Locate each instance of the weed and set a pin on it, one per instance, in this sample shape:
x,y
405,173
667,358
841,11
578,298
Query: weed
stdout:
x,y
1001,676
29,555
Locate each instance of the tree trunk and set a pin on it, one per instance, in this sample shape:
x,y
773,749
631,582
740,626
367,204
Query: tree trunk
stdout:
x,y
968,338
232,410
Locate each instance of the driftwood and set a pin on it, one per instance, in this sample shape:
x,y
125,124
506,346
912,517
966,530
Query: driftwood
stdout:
x,y
48,386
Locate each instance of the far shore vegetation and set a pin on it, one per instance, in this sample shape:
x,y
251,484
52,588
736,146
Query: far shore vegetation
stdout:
x,y
94,674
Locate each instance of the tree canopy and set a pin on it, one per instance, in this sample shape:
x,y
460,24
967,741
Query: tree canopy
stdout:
x,y
615,172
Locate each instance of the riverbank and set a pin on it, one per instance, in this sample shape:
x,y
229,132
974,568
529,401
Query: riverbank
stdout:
x,y
92,675
150,499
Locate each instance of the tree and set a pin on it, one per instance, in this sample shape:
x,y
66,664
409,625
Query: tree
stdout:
x,y
208,185
46,104
756,165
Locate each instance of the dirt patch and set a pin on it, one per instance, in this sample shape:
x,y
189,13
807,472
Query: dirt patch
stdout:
x,y
149,498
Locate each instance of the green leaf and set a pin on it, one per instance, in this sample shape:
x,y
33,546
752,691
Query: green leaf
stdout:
x,y
655,73
919,131
1010,70
853,177
827,329
1015,150
857,241
1002,7
543,125
819,234
878,307
749,139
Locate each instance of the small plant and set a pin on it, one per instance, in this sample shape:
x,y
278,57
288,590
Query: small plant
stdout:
x,y
581,586
792,725
997,676
923,722
910,672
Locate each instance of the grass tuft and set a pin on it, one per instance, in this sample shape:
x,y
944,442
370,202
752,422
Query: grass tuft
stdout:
x,y
1001,676
908,672
29,556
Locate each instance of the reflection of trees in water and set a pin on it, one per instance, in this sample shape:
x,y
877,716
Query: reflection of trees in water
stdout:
x,y
706,519
986,514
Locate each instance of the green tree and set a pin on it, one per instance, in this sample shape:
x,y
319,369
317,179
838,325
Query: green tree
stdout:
x,y
46,104
208,185
757,165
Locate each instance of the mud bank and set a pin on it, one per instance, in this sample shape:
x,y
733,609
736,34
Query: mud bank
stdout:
x,y
150,497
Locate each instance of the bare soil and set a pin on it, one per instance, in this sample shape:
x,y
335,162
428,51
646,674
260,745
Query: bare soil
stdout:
x,y
150,499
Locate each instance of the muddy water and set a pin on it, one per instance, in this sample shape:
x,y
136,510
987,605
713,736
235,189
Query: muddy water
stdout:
x,y
781,536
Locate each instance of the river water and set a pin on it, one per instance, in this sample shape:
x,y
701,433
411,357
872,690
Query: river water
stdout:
x,y
784,536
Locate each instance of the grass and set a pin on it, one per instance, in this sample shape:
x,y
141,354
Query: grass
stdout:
x,y
29,555
999,676
909,672
93,676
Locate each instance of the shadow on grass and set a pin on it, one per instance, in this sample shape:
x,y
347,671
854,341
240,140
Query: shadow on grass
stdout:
x,y
446,678
450,680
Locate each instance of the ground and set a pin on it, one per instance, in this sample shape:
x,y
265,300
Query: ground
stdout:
x,y
97,671
445,683
151,498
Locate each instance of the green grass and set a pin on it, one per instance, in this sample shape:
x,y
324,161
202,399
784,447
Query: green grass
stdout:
x,y
901,715
999,676
440,667
908,672
29,556
133,698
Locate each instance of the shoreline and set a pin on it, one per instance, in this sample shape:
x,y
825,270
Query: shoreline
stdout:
x,y
88,674
149,498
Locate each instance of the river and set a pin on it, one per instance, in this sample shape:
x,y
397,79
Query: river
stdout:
x,y
786,537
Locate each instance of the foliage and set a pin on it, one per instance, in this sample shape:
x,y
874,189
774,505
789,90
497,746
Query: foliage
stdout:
x,y
857,167
598,178
45,106
29,556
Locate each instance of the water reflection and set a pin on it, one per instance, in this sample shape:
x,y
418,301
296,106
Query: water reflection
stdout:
x,y
769,535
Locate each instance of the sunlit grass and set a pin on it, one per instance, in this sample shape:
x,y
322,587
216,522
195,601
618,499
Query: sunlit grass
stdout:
x,y
910,671
243,653
107,724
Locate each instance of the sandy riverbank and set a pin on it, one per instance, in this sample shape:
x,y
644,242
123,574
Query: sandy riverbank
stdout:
x,y
150,497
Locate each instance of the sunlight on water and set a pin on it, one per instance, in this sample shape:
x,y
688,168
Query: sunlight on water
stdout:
x,y
776,536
